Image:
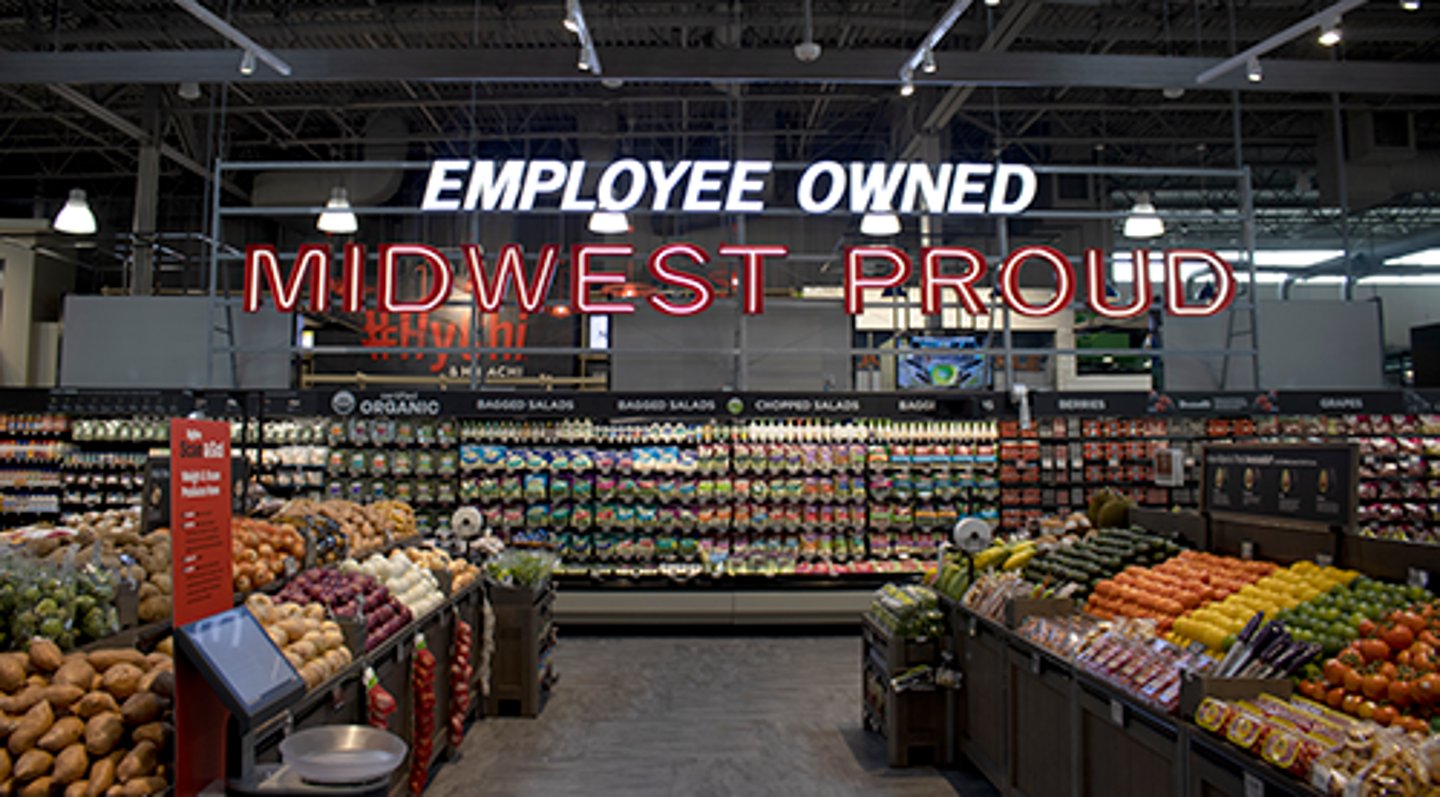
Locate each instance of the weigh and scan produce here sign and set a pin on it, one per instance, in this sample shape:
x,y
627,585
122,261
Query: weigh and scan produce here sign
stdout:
x,y
1300,482
200,507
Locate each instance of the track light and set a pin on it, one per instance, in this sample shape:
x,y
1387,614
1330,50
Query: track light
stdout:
x,y
188,90
584,63
880,225
609,222
1410,5
337,218
1143,222
907,88
1330,33
247,63
76,217
1253,71
992,3
927,64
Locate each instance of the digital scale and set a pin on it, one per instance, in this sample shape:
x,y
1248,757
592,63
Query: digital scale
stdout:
x,y
255,681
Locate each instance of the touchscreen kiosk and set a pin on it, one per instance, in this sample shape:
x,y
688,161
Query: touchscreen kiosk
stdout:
x,y
241,663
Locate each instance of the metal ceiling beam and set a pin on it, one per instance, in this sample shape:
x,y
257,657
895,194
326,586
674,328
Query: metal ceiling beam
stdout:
x,y
134,131
707,66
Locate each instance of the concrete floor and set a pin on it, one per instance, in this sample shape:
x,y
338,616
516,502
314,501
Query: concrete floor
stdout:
x,y
657,715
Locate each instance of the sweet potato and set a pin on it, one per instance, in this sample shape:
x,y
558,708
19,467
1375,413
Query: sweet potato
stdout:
x,y
7,725
33,764
45,655
163,682
12,674
40,787
102,775
140,708
71,765
65,732
157,733
22,701
103,660
32,726
60,696
76,671
143,786
77,789
94,703
4,765
103,732
122,680
138,763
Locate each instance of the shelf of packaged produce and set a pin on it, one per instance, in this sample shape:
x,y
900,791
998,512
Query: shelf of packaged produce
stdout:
x,y
1232,761
30,487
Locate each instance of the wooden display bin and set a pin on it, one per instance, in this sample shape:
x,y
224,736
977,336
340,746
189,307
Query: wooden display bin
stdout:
x,y
1126,749
914,723
1194,690
1017,609
1041,762
525,637
984,716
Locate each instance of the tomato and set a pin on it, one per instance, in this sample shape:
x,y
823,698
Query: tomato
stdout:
x,y
1399,693
1375,686
1335,672
1366,628
1335,697
1351,704
1426,690
1388,670
1423,649
1353,681
1367,709
1385,715
1398,637
1428,637
1403,658
1412,621
1374,649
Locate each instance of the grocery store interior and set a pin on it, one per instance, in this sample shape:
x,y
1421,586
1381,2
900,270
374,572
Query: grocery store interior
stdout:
x,y
549,397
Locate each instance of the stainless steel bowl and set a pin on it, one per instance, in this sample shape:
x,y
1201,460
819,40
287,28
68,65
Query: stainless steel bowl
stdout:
x,y
343,753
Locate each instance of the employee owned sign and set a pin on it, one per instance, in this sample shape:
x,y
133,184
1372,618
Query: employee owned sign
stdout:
x,y
460,186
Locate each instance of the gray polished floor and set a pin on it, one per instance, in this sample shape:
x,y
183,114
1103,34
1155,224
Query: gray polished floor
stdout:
x,y
656,715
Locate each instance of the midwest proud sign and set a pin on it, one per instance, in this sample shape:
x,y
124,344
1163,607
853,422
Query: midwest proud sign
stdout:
x,y
716,187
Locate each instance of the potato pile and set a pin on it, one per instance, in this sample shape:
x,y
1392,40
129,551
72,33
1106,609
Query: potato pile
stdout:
x,y
462,573
86,724
367,528
117,534
260,549
314,646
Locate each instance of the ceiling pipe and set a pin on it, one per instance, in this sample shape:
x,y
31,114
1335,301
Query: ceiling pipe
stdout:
x,y
1322,17
235,35
932,39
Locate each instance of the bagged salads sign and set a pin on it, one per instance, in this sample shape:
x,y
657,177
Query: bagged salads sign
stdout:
x,y
715,187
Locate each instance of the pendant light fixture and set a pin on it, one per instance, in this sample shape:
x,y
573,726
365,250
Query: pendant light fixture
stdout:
x,y
1330,33
337,218
880,225
1253,71
1143,222
75,218
609,222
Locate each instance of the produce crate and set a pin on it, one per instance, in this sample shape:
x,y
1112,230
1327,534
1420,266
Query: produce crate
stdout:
x,y
913,723
525,638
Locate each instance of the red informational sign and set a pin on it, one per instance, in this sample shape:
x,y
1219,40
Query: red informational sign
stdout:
x,y
203,582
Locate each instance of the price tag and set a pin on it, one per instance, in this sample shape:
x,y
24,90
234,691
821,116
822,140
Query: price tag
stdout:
x,y
974,626
1324,559
1247,550
1419,577
1035,663
1254,787
1117,712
